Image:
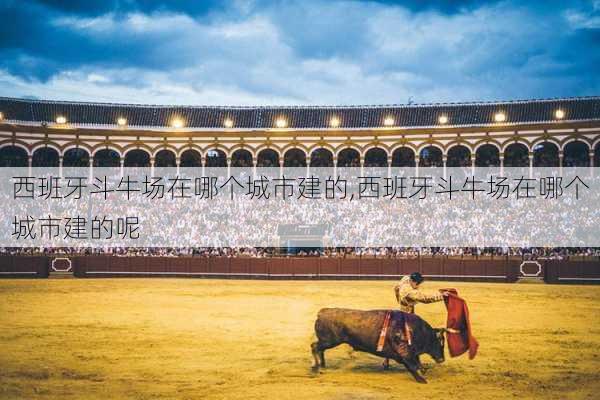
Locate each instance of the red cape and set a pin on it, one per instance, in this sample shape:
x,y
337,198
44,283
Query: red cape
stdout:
x,y
458,319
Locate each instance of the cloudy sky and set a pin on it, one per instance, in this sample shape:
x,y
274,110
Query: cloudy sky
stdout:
x,y
259,52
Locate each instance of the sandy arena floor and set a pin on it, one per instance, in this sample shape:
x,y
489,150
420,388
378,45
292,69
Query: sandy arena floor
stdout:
x,y
213,339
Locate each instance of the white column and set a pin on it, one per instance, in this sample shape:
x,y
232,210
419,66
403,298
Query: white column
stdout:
x,y
29,164
122,162
307,168
592,162
530,164
444,161
334,167
203,166
473,158
502,163
152,166
91,168
60,166
228,166
560,161
417,161
362,165
389,166
253,168
177,164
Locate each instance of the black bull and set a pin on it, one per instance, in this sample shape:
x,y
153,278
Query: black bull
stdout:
x,y
361,330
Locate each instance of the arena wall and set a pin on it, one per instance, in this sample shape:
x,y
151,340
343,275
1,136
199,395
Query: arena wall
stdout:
x,y
24,266
298,268
573,271
585,271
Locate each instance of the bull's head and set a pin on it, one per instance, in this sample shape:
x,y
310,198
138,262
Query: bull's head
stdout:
x,y
437,345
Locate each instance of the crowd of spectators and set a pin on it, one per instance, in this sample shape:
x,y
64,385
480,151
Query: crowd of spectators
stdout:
x,y
526,253
205,229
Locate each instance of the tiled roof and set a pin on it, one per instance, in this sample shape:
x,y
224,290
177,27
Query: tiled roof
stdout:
x,y
301,117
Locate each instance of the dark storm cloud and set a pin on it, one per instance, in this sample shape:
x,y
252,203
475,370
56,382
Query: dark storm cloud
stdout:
x,y
309,51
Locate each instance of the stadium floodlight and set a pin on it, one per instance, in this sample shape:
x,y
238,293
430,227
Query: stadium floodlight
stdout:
x,y
388,121
228,123
177,123
500,117
559,114
334,122
122,121
61,119
281,123
443,119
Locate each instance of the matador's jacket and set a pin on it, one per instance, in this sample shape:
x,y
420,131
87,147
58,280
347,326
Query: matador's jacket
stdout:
x,y
408,296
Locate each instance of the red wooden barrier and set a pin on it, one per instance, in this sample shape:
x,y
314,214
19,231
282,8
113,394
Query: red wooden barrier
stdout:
x,y
440,268
572,271
24,266
435,268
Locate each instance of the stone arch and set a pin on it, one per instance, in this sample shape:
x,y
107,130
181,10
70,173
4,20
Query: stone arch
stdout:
x,y
348,157
190,146
404,143
521,141
76,145
321,157
137,146
459,155
431,143
485,141
164,147
375,145
321,145
165,158
294,145
101,147
403,157
190,157
241,158
347,146
135,157
16,143
44,145
545,154
516,154
487,155
294,157
576,153
107,157
13,156
45,157
76,157
216,157
545,140
575,138
431,156
242,146
376,157
267,157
